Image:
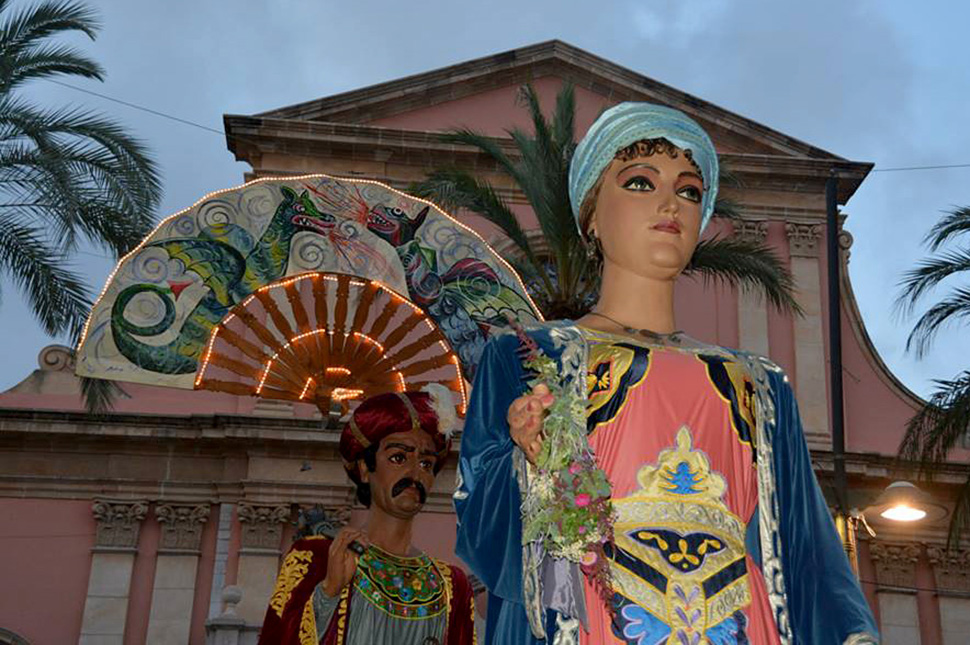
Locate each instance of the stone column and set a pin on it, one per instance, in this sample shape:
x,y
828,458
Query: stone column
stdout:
x,y
259,556
112,560
896,578
952,569
752,309
173,591
810,364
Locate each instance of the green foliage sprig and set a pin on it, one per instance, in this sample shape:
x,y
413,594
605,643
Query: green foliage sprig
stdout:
x,y
568,505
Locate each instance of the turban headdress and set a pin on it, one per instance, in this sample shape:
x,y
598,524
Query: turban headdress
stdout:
x,y
387,414
625,124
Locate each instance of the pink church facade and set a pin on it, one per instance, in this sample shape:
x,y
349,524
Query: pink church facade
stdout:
x,y
128,528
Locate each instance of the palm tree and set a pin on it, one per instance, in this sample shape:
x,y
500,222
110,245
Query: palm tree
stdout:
x,y
66,175
938,428
555,267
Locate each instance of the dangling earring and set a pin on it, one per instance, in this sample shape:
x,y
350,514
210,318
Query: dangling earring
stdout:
x,y
594,249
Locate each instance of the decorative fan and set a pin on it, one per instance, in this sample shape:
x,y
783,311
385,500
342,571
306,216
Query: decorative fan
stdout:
x,y
164,300
324,338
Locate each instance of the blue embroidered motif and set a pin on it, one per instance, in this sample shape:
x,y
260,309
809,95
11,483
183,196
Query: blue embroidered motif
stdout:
x,y
637,626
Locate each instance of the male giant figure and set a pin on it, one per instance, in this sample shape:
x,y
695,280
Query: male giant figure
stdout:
x,y
369,586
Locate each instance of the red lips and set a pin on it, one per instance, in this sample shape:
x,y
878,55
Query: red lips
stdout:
x,y
668,226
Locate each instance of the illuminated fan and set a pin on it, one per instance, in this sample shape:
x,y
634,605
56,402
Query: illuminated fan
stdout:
x,y
327,338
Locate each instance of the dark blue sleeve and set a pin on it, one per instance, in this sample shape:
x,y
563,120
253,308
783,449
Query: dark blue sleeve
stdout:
x,y
826,604
488,502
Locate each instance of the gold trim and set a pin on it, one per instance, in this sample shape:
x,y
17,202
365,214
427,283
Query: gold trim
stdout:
x,y
295,566
415,419
308,625
342,615
358,435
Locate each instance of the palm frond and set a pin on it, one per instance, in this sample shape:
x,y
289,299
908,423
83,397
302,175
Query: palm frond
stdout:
x,y
953,307
542,134
564,120
727,208
960,521
453,189
956,222
33,23
56,295
748,264
100,394
929,273
486,144
97,180
44,62
940,425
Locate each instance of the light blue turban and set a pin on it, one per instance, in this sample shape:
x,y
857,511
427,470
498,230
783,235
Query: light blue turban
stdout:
x,y
625,124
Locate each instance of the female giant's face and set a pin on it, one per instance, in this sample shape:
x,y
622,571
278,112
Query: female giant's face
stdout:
x,y
648,214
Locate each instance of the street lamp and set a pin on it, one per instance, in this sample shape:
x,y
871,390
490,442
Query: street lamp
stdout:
x,y
902,501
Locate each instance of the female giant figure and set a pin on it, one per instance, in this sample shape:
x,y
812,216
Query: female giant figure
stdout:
x,y
721,534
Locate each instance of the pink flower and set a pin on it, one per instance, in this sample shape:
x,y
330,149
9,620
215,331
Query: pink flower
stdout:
x,y
581,529
575,468
582,500
589,558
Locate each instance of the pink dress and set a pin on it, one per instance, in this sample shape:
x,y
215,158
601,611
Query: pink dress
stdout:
x,y
673,428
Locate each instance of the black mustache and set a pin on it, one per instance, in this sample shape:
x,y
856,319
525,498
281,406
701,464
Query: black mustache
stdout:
x,y
406,483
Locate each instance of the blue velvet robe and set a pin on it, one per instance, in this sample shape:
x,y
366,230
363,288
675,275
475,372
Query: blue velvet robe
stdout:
x,y
815,596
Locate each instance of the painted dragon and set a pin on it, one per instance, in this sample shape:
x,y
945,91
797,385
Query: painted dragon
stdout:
x,y
231,264
467,299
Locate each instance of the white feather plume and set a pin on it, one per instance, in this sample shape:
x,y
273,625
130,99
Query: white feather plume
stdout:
x,y
443,403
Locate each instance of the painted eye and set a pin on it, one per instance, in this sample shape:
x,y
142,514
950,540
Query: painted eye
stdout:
x,y
691,193
397,458
427,464
639,183
397,212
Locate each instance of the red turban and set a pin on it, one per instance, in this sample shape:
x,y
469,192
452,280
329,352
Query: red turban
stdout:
x,y
386,414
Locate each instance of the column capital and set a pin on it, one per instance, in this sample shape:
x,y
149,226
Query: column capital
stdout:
x,y
803,239
118,523
952,569
181,526
895,564
748,229
262,525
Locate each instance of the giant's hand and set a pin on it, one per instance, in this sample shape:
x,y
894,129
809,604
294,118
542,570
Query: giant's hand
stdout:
x,y
525,420
342,562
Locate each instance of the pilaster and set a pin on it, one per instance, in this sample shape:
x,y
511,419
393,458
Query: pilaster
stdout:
x,y
259,554
173,590
896,588
752,309
112,561
810,364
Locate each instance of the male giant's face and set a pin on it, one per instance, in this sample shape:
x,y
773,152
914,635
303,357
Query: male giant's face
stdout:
x,y
404,473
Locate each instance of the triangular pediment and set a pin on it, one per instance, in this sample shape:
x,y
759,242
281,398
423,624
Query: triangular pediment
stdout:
x,y
433,100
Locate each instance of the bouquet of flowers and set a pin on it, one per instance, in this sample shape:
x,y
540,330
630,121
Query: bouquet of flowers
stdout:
x,y
567,506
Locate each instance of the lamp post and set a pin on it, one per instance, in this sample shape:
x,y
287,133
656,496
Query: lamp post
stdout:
x,y
843,520
901,501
